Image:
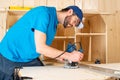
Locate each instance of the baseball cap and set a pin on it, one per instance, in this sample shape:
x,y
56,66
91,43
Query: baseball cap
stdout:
x,y
79,13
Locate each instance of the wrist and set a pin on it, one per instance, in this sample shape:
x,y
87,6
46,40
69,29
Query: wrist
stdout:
x,y
66,55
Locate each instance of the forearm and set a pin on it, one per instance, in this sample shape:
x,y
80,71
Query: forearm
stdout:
x,y
52,52
41,47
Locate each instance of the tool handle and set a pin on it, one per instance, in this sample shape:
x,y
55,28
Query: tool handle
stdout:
x,y
71,47
80,50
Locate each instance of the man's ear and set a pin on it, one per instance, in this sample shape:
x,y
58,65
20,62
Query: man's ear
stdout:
x,y
70,12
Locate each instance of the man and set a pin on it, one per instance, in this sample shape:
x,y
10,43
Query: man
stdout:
x,y
31,36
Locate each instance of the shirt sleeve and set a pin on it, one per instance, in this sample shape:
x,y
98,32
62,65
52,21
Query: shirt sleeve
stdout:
x,y
41,21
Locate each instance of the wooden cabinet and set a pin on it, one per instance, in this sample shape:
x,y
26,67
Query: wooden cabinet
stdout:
x,y
93,37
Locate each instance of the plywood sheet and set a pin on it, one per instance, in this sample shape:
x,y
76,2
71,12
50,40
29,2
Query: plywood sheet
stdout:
x,y
60,73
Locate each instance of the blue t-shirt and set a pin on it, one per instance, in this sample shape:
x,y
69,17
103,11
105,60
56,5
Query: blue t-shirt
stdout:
x,y
18,45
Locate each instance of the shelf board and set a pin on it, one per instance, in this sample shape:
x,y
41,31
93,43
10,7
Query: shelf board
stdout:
x,y
91,34
64,37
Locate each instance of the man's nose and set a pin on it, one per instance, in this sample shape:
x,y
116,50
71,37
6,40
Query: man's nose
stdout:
x,y
70,25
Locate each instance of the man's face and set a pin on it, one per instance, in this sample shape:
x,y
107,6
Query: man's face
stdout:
x,y
71,21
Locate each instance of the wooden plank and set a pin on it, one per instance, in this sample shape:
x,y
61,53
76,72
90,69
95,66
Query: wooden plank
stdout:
x,y
60,30
107,6
85,45
89,51
7,3
3,17
117,5
13,16
113,38
112,22
70,31
98,48
57,3
40,2
79,3
30,3
90,5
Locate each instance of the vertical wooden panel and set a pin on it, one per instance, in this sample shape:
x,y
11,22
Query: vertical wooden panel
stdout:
x,y
70,31
59,4
113,38
98,49
3,16
29,3
85,45
97,24
58,43
4,3
111,56
60,30
40,2
7,3
79,3
117,4
16,2
13,17
107,6
90,5
117,19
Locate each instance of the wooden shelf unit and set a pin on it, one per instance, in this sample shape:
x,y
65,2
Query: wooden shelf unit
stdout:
x,y
93,37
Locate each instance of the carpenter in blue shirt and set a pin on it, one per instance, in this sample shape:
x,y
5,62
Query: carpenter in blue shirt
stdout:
x,y
31,36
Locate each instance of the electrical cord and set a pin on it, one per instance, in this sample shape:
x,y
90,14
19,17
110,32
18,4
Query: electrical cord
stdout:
x,y
62,53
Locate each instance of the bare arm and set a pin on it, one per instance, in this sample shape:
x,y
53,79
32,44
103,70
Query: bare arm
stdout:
x,y
41,47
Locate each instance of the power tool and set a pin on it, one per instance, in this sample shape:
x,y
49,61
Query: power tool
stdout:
x,y
70,48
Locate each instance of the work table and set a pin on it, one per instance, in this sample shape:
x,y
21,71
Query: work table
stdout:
x,y
58,72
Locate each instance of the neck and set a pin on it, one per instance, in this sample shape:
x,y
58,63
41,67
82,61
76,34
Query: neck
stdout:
x,y
61,16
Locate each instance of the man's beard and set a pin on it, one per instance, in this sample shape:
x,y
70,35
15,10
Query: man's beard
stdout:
x,y
66,21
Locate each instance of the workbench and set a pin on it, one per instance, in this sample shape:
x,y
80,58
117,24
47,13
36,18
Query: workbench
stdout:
x,y
52,72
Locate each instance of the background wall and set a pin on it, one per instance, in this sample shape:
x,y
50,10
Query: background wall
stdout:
x,y
109,10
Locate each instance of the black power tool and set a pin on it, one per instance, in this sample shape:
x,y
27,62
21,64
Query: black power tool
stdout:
x,y
70,48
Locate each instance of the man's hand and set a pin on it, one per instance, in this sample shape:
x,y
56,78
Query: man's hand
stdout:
x,y
75,56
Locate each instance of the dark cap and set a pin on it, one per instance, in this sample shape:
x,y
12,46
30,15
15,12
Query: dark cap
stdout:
x,y
79,13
